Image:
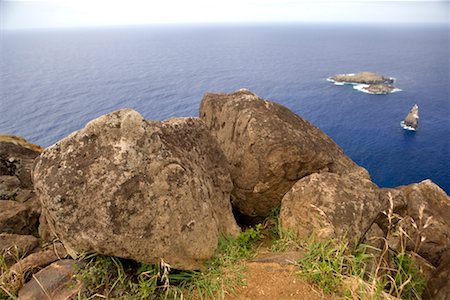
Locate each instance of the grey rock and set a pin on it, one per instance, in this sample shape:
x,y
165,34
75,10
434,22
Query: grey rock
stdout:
x,y
269,148
137,189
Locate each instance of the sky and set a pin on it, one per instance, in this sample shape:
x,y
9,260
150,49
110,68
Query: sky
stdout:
x,y
19,14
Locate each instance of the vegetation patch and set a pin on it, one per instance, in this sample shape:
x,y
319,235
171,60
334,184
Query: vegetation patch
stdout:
x,y
111,277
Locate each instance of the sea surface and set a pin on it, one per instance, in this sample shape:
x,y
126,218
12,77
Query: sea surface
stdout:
x,y
53,81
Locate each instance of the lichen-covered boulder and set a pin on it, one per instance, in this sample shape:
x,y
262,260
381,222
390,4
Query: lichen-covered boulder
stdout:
x,y
138,189
269,148
328,205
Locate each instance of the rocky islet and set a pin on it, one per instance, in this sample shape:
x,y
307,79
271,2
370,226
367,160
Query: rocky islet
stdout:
x,y
367,82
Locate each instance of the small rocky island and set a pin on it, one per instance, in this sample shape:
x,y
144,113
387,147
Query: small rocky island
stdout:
x,y
366,82
411,122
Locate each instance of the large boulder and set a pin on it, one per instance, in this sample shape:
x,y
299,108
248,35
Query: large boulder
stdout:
x,y
422,219
328,205
269,148
138,189
16,162
416,217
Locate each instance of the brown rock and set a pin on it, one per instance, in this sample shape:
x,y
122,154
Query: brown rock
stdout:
x,y
438,287
16,160
411,121
329,205
16,276
55,282
13,246
137,189
268,148
16,217
9,187
424,214
379,88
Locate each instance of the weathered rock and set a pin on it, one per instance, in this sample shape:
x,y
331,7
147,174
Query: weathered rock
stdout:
x,y
138,189
16,217
14,246
16,161
329,205
45,232
411,121
55,282
268,148
16,276
438,287
423,211
9,187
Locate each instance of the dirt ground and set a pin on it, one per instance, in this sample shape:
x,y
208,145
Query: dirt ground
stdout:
x,y
272,276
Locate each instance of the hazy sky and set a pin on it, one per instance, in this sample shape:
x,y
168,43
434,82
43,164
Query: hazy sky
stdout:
x,y
74,13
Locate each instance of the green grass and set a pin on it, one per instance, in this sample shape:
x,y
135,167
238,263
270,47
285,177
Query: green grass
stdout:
x,y
112,277
329,265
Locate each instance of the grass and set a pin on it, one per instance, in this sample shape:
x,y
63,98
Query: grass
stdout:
x,y
111,277
332,264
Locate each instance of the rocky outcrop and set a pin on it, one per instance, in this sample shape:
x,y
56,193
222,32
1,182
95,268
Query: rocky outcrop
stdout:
x,y
376,89
363,77
411,122
269,148
366,82
329,205
16,162
413,218
138,189
423,213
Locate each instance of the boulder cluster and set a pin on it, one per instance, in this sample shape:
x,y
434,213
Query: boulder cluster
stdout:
x,y
150,190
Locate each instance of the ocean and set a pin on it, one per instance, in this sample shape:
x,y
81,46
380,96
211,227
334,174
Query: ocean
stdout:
x,y
53,81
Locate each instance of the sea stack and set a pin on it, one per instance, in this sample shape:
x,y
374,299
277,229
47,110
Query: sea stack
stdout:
x,y
411,122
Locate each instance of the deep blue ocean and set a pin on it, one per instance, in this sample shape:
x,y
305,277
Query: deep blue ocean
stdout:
x,y
52,82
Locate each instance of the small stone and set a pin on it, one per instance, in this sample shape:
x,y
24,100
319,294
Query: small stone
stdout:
x,y
14,246
55,282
